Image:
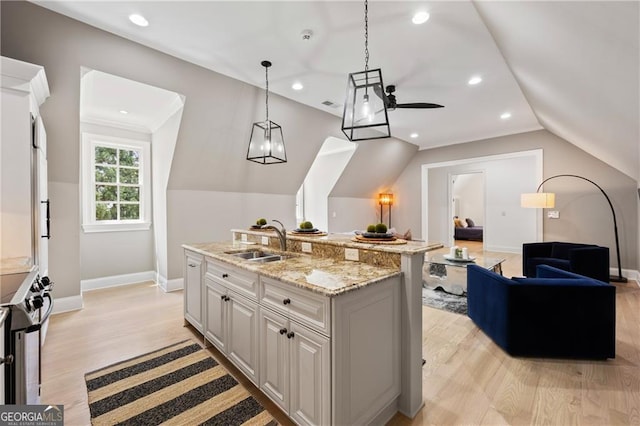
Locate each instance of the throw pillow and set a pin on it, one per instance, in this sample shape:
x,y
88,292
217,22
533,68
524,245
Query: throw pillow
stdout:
x,y
457,223
470,222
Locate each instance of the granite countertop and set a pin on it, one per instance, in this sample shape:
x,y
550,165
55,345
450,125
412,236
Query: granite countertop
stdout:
x,y
15,265
322,275
346,240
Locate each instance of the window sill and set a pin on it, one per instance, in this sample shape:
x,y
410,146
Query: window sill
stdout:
x,y
115,227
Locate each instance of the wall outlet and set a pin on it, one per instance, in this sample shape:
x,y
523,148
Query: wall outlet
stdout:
x,y
306,248
243,237
351,254
265,241
553,214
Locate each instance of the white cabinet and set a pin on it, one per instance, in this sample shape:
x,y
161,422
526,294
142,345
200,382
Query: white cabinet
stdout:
x,y
295,368
193,288
231,322
23,179
323,360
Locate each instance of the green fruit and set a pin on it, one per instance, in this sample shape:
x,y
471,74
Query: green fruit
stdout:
x,y
261,222
306,225
381,228
371,228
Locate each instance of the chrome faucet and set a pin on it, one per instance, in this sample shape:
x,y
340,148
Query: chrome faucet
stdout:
x,y
282,233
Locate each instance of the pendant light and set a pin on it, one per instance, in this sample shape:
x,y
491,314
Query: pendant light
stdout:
x,y
365,111
266,145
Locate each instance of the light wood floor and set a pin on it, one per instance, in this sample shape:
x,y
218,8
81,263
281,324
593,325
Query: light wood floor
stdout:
x,y
467,379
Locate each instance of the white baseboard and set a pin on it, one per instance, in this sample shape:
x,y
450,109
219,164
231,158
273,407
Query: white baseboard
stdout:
x,y
174,285
67,304
117,280
499,249
630,274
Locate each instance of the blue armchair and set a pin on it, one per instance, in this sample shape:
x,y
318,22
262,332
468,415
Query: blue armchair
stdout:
x,y
583,259
558,314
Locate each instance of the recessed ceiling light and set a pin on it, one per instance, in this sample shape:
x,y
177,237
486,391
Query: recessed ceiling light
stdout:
x,y
414,135
505,115
139,20
475,80
297,86
124,112
420,18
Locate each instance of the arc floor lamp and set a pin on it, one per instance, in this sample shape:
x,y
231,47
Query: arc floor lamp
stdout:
x,y
547,200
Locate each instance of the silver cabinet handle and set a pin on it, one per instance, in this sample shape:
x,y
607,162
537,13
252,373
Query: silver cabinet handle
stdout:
x,y
6,360
192,265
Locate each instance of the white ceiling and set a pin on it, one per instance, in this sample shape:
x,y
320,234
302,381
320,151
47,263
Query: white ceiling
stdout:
x,y
111,100
540,61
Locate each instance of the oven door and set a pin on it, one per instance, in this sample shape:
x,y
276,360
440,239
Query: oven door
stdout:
x,y
26,371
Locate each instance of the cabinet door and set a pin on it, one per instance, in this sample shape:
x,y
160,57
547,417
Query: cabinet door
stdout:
x,y
215,329
310,377
193,290
274,357
242,342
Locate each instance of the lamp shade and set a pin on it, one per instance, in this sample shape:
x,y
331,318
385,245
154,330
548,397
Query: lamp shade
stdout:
x,y
266,145
385,199
365,112
538,200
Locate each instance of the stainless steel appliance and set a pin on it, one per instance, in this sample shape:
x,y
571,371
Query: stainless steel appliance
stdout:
x,y
26,296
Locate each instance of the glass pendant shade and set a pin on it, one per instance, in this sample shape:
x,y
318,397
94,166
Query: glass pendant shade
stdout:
x,y
365,113
266,145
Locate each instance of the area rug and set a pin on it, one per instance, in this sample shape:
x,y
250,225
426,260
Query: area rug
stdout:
x,y
440,299
177,385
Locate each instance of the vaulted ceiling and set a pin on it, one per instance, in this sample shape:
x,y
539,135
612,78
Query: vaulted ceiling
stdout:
x,y
570,67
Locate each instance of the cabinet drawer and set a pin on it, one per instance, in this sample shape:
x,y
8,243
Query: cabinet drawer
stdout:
x,y
298,304
236,279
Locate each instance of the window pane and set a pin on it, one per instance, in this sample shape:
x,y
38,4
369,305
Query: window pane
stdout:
x,y
105,174
129,193
128,176
106,211
129,211
106,193
106,155
129,158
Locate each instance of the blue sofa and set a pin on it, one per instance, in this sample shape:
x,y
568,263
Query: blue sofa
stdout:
x,y
583,259
558,314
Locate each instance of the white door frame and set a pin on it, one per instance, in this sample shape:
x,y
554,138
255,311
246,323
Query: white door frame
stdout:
x,y
536,153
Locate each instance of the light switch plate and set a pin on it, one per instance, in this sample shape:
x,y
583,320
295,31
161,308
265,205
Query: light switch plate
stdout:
x,y
243,237
265,241
351,254
306,248
553,214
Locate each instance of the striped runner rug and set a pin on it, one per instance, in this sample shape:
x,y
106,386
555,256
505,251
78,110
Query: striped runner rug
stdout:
x,y
177,385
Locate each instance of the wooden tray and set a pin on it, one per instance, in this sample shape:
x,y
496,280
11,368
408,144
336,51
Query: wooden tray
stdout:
x,y
390,241
312,234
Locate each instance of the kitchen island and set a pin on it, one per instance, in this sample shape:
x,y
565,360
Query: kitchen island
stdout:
x,y
330,340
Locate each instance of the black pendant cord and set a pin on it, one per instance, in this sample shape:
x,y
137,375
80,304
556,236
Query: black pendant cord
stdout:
x,y
366,35
619,278
266,98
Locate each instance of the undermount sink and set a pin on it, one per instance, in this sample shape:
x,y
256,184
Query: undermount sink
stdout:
x,y
259,256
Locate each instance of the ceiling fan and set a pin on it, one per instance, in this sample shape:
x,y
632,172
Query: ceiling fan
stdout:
x,y
390,99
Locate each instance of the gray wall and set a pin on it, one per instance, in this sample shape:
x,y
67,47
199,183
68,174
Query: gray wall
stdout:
x,y
584,214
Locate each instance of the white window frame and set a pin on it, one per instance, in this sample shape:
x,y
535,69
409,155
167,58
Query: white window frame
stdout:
x,y
89,223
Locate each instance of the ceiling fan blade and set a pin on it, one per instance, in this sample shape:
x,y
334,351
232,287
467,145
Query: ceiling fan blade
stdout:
x,y
419,105
377,88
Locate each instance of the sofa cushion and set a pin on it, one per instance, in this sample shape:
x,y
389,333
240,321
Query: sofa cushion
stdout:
x,y
561,250
582,281
533,262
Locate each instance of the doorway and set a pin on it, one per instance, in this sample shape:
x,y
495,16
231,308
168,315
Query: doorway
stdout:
x,y
467,195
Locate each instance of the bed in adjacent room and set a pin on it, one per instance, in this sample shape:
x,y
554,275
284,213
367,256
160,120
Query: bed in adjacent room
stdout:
x,y
469,232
